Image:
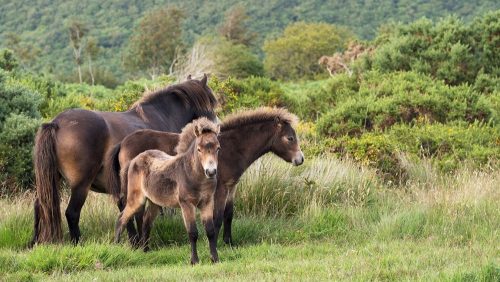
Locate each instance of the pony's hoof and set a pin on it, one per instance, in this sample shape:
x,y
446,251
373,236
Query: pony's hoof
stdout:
x,y
194,261
215,259
146,249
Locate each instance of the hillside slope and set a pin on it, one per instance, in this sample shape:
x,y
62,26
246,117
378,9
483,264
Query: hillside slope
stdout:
x,y
42,23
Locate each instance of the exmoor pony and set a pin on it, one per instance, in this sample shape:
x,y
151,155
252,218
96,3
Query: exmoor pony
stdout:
x,y
187,180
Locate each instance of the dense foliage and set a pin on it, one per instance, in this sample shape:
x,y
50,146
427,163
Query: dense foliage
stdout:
x,y
44,42
19,119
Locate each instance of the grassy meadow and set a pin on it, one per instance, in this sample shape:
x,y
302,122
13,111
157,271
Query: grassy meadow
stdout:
x,y
326,220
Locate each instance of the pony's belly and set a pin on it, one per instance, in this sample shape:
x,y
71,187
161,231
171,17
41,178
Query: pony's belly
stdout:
x,y
164,198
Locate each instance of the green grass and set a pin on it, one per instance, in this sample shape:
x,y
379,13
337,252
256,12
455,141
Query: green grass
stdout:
x,y
326,220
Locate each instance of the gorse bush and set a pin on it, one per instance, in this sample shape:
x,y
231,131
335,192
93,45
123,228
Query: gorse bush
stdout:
x,y
383,100
449,50
247,93
447,147
19,119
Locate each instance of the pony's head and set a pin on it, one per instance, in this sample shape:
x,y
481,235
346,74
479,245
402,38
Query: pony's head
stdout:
x,y
202,134
286,143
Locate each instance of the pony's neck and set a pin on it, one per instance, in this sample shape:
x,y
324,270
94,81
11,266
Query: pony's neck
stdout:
x,y
165,113
250,142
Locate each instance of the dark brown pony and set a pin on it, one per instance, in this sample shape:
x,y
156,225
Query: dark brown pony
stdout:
x,y
244,138
75,144
187,180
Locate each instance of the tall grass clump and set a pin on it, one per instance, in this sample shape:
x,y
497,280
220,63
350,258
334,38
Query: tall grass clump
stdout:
x,y
272,187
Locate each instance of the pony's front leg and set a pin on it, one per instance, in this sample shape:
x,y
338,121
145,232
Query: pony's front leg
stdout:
x,y
207,217
189,216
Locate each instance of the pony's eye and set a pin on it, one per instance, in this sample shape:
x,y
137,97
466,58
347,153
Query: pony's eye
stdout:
x,y
199,150
290,138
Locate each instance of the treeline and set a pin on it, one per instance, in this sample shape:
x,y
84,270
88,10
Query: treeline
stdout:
x,y
419,92
39,33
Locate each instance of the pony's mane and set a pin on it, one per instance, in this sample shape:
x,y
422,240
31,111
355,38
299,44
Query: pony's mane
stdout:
x,y
193,93
187,135
259,115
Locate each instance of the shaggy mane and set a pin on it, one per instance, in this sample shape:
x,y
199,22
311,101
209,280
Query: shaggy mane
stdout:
x,y
187,135
193,93
259,115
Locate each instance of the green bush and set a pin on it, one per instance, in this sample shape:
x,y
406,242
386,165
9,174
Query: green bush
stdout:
x,y
448,50
247,93
16,144
447,146
19,118
402,97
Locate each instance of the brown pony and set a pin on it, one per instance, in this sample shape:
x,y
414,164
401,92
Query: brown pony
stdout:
x,y
187,180
244,137
75,144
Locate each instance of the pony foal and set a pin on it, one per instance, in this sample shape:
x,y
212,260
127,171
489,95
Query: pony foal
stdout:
x,y
187,180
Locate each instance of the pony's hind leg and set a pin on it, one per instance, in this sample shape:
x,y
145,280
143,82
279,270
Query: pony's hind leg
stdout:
x,y
124,218
149,216
132,232
228,219
78,196
135,201
36,222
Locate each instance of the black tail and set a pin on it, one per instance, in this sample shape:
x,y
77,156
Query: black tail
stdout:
x,y
112,168
47,204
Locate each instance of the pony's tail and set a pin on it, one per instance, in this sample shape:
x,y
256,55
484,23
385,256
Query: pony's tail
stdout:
x,y
124,180
112,168
48,208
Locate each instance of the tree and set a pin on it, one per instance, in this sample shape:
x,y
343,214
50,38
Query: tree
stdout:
x,y
92,49
77,31
155,42
220,57
295,54
234,28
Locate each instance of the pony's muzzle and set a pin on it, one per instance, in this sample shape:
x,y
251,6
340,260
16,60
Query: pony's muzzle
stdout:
x,y
299,159
211,172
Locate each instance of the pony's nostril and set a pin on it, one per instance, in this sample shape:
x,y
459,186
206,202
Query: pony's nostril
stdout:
x,y
211,172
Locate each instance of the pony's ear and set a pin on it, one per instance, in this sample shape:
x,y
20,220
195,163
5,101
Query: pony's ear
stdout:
x,y
278,122
204,79
197,131
189,77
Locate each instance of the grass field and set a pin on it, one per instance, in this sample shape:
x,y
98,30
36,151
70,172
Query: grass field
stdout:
x,y
325,220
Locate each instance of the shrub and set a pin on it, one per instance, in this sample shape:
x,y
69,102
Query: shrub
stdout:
x,y
448,50
448,147
19,118
16,143
247,93
402,97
